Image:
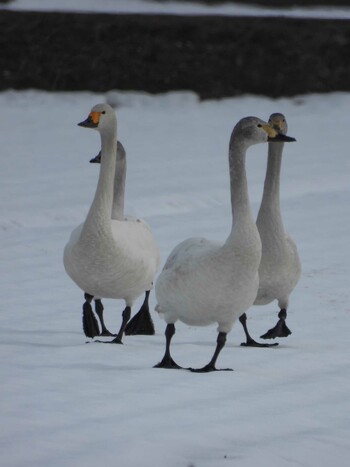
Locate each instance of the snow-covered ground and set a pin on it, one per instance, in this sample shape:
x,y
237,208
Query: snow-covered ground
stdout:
x,y
68,403
184,8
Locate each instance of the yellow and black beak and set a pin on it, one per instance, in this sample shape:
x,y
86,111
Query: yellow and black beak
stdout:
x,y
280,138
92,121
275,136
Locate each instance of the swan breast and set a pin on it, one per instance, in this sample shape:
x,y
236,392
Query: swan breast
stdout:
x,y
202,283
121,267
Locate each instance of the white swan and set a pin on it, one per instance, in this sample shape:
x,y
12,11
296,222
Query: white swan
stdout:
x,y
280,268
142,322
204,282
105,257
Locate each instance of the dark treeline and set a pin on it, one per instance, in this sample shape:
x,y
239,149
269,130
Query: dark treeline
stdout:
x,y
213,56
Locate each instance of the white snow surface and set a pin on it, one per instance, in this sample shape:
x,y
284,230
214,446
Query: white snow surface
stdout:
x,y
177,8
67,401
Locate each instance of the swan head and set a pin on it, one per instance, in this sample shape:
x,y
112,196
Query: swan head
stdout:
x,y
279,123
101,117
253,130
121,154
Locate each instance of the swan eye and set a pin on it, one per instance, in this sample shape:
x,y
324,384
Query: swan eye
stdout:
x,y
103,112
259,125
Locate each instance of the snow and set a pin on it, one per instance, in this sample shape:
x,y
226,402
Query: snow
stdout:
x,y
183,8
65,402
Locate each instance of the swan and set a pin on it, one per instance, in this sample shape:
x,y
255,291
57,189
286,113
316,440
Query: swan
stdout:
x,y
105,257
203,282
280,267
142,322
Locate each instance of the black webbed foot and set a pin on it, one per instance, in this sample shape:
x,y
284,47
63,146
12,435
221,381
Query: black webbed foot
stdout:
x,y
90,324
280,330
117,340
208,368
141,323
107,334
168,363
99,311
252,343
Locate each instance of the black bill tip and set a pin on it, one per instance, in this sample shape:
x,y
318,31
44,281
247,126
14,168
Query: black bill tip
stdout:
x,y
279,138
88,123
97,159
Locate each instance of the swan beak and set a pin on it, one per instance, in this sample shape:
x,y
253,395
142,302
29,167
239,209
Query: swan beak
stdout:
x,y
280,138
97,159
92,121
274,136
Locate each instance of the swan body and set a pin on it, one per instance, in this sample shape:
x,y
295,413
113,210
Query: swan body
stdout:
x,y
279,273
204,282
142,322
194,264
105,257
115,264
280,267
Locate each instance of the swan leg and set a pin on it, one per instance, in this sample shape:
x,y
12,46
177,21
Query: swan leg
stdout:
x,y
126,316
90,324
142,322
99,311
220,343
167,361
250,342
281,329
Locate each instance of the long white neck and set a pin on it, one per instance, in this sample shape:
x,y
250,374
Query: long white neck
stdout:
x,y
270,203
119,185
241,211
100,212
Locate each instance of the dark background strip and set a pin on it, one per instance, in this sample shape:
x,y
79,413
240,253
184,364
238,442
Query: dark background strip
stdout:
x,y
211,55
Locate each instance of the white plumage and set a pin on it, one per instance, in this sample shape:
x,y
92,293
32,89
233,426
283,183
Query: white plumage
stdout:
x,y
205,282
105,257
142,322
280,268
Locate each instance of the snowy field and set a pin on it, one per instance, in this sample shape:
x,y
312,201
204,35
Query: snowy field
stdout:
x,y
183,8
69,403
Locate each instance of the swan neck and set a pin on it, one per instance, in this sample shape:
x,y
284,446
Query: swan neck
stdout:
x,y
101,208
241,212
271,193
119,187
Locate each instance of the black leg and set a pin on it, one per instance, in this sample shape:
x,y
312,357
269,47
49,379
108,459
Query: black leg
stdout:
x,y
141,323
90,324
167,361
221,340
250,342
281,329
99,312
126,316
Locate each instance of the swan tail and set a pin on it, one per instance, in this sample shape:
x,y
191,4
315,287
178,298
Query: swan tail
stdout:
x,y
159,310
